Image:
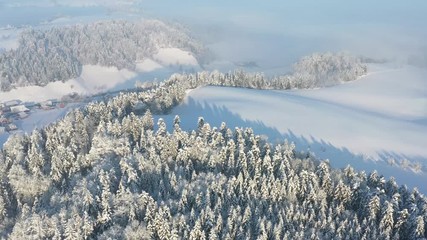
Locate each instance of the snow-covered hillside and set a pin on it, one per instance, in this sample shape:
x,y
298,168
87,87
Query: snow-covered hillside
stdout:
x,y
378,122
95,79
58,53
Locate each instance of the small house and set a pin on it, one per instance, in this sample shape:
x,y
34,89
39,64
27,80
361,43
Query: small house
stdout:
x,y
19,108
4,120
11,103
5,109
11,127
140,107
30,104
2,130
46,105
73,95
23,115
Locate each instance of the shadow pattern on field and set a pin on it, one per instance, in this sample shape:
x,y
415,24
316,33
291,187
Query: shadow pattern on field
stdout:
x,y
386,163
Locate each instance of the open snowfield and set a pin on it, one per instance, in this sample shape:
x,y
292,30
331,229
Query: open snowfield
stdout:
x,y
378,122
41,118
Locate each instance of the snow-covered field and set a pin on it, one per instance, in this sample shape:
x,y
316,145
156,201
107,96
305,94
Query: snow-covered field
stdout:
x,y
378,122
38,119
42,118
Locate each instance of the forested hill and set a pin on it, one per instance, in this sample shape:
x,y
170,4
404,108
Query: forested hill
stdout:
x,y
106,172
312,71
58,53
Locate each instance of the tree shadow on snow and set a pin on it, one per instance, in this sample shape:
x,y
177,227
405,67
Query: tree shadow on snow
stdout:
x,y
387,163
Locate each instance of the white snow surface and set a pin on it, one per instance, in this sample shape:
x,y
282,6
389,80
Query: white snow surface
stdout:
x,y
41,118
378,122
37,119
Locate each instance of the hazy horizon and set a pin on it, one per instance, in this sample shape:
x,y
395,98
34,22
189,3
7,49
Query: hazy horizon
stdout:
x,y
273,34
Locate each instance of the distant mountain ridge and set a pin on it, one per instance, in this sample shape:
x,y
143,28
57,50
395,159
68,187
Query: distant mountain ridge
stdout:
x,y
57,54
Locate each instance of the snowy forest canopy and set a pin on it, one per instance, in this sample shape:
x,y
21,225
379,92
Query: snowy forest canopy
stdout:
x,y
108,172
57,54
316,70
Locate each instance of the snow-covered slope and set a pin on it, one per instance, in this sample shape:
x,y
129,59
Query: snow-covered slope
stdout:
x,y
95,79
378,122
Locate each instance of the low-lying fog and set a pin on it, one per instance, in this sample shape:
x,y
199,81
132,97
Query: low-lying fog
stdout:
x,y
276,33
269,36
